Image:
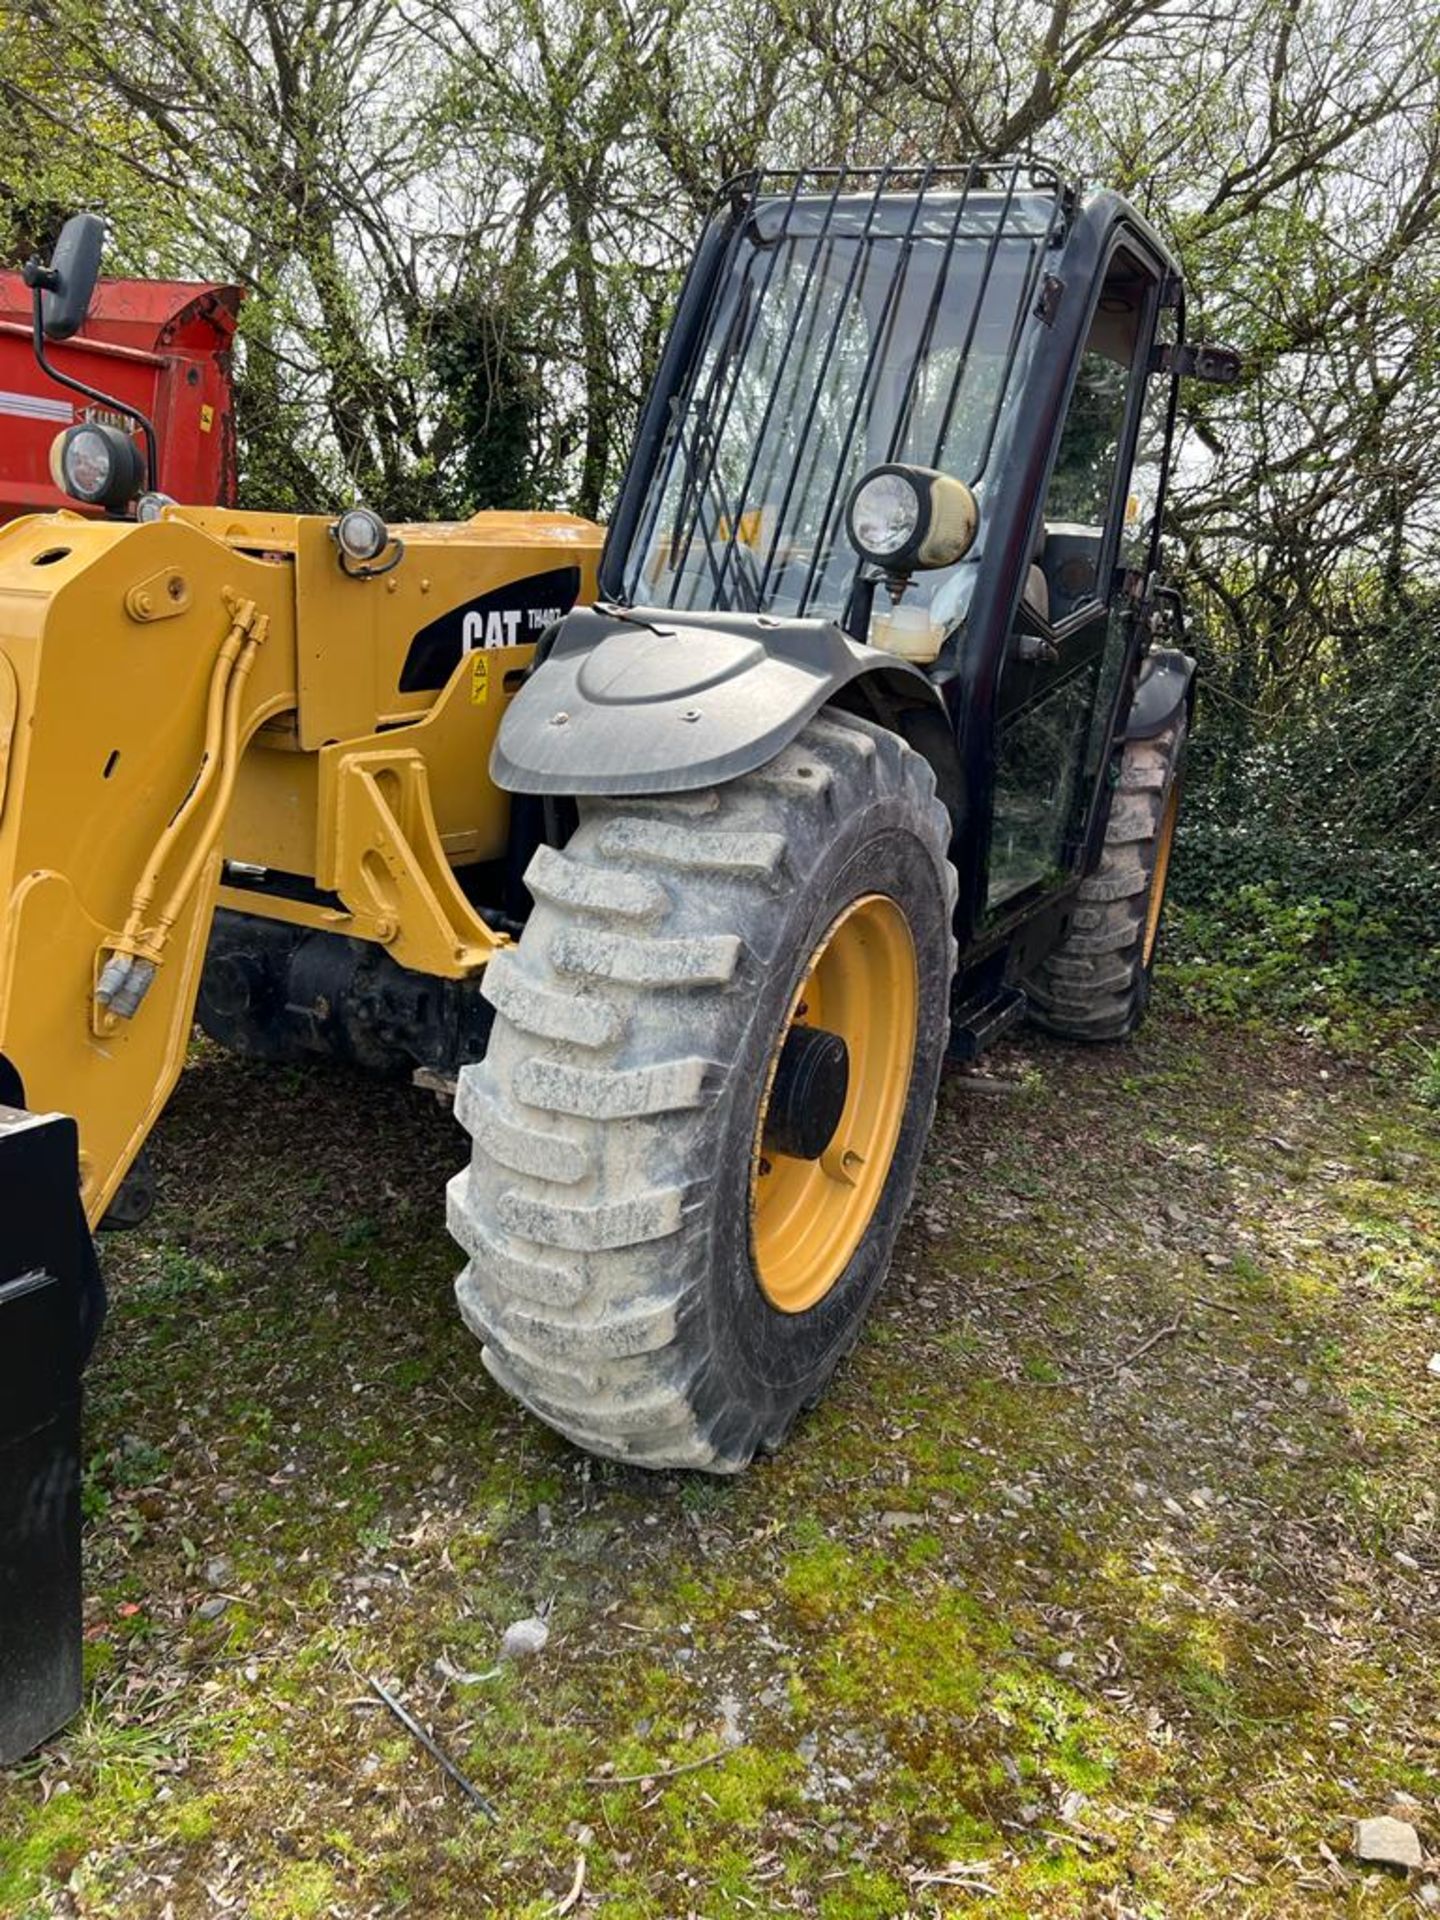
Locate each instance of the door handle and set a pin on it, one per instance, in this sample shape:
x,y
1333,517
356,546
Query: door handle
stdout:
x,y
1032,647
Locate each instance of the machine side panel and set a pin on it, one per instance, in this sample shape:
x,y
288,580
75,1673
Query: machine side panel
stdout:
x,y
465,603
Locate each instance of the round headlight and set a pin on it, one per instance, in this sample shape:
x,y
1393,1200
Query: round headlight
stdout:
x,y
903,517
97,464
884,514
361,534
150,506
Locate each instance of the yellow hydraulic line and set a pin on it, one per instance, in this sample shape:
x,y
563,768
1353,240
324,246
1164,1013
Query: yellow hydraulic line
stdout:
x,y
214,723
229,771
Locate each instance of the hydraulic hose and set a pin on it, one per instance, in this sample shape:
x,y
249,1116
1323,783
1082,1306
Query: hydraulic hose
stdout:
x,y
229,772
126,976
220,676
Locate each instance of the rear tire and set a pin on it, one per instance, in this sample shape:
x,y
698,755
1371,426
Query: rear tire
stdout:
x,y
608,1210
1095,985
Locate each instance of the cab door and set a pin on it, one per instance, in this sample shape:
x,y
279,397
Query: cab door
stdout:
x,y
1074,626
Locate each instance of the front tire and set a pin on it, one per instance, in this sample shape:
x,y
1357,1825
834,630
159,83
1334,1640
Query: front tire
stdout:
x,y
639,1273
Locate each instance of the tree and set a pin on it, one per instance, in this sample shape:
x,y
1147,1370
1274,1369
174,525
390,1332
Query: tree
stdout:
x,y
1290,151
462,222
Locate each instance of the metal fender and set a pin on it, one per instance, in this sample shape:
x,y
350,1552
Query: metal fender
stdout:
x,y
1167,680
630,701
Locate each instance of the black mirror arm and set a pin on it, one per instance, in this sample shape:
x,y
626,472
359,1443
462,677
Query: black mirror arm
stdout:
x,y
1163,610
37,277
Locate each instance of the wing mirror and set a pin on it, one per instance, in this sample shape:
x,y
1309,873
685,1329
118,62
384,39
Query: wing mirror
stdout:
x,y
88,462
67,286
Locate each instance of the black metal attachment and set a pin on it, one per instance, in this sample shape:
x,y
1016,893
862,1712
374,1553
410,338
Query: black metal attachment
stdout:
x,y
807,1096
283,993
134,1199
1052,291
47,1273
1189,360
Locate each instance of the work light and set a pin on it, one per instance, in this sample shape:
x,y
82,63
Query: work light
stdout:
x,y
903,517
361,534
361,537
884,515
150,506
97,464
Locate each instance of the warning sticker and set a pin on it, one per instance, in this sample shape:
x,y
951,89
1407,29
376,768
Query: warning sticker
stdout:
x,y
207,419
479,679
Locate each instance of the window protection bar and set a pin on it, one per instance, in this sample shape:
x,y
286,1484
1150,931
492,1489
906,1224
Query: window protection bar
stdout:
x,y
807,201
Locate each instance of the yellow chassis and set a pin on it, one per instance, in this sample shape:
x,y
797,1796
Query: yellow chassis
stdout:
x,y
209,688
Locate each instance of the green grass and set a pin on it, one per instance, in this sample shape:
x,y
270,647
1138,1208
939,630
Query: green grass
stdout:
x,y
1119,1636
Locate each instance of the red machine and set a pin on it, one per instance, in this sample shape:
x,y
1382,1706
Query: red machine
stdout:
x,y
161,346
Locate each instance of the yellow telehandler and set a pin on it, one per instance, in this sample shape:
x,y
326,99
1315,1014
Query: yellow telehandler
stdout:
x,y
685,851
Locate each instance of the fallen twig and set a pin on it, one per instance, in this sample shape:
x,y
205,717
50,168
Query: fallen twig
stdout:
x,y
1219,1305
654,1773
1116,1366
576,1888
462,1676
432,1747
986,1083
971,1878
1080,1837
1004,1286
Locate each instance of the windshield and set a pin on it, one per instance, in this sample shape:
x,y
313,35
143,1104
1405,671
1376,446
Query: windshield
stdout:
x,y
845,331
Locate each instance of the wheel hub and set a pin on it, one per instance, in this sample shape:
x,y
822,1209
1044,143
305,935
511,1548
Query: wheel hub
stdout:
x,y
807,1096
833,1103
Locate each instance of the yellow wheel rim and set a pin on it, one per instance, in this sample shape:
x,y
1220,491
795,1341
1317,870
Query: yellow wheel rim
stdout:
x,y
1166,839
807,1217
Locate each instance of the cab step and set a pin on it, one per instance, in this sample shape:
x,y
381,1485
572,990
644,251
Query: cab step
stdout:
x,y
979,1023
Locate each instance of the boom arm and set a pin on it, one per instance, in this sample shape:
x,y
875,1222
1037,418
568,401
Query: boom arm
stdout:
x,y
137,663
